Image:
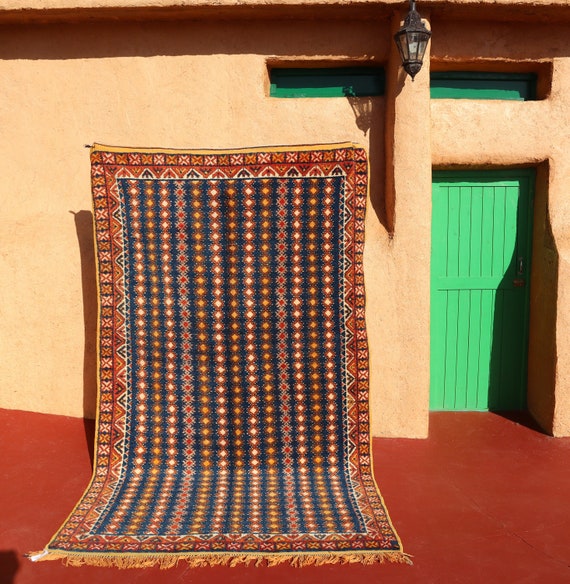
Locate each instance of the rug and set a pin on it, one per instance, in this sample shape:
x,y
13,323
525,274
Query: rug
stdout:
x,y
233,411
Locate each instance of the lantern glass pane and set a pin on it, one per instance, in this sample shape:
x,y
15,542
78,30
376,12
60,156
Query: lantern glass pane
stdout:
x,y
422,48
413,45
403,46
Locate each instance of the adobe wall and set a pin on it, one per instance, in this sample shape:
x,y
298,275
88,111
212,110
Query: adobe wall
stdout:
x,y
203,84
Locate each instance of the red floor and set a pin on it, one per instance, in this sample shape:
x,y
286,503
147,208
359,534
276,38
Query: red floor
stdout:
x,y
484,499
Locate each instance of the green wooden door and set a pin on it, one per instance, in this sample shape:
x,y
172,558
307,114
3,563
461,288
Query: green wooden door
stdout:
x,y
480,269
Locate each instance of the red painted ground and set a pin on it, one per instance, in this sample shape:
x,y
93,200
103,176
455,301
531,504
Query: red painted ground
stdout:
x,y
483,500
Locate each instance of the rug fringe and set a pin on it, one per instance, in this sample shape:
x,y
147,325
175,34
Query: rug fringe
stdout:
x,y
198,560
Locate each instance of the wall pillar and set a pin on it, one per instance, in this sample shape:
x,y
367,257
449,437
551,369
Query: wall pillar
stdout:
x,y
406,343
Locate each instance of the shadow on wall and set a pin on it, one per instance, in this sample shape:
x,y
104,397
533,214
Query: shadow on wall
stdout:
x,y
9,566
369,116
523,354
85,238
93,40
543,309
210,36
508,365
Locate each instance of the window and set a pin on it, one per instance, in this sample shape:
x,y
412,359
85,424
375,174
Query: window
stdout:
x,y
327,82
478,85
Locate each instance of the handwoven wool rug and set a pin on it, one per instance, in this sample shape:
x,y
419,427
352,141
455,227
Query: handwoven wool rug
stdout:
x,y
233,414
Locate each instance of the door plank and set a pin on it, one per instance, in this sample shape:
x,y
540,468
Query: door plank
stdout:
x,y
474,351
451,349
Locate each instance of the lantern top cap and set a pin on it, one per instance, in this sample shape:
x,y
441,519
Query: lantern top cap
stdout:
x,y
413,21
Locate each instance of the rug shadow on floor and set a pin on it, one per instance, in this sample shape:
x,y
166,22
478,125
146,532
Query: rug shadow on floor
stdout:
x,y
89,429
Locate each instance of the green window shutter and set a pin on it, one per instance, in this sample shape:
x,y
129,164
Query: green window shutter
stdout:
x,y
477,85
327,82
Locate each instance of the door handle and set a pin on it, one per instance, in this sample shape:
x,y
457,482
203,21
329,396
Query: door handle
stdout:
x,y
520,266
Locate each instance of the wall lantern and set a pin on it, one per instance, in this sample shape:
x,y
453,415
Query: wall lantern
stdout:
x,y
412,40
